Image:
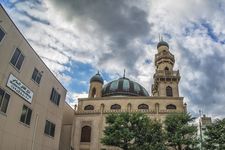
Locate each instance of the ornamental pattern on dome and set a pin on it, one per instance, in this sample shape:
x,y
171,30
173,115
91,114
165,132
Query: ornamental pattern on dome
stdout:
x,y
123,87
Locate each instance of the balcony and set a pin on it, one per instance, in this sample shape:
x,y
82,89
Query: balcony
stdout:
x,y
165,73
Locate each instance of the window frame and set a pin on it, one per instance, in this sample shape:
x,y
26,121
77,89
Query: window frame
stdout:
x,y
1,28
84,137
17,59
48,130
143,105
27,119
89,107
169,91
35,78
171,107
55,94
3,100
115,105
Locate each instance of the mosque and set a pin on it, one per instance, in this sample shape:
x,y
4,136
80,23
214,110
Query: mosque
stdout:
x,y
125,95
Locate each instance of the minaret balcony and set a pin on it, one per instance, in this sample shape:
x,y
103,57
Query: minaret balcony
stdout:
x,y
167,74
164,55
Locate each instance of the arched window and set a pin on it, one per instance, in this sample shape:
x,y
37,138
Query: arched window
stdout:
x,y
166,69
171,106
93,92
89,107
85,134
143,106
169,91
115,106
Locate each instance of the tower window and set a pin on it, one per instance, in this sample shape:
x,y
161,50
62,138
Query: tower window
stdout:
x,y
85,134
93,93
171,106
169,91
115,106
143,106
166,69
89,107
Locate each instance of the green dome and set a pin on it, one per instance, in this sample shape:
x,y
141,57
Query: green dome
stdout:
x,y
162,43
97,78
123,87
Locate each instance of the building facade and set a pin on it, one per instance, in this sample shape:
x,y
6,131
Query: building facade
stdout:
x,y
125,95
31,98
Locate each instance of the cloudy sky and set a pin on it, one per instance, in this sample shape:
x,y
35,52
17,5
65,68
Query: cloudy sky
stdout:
x,y
75,38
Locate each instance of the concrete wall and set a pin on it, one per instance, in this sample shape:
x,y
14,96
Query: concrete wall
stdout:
x,y
13,133
65,138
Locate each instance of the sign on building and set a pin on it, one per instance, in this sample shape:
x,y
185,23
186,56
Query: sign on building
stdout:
x,y
18,87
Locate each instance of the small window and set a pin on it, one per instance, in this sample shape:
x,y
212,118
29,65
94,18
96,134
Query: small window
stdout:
x,y
4,100
55,97
115,106
166,69
89,107
171,106
143,106
36,76
17,59
49,128
85,134
169,91
26,115
2,34
93,93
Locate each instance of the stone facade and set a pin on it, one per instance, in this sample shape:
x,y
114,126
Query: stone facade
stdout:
x,y
92,111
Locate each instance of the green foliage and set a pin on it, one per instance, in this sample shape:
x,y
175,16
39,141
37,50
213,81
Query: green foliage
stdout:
x,y
132,131
215,136
179,133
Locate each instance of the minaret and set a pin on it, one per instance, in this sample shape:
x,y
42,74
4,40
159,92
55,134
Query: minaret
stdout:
x,y
166,80
96,83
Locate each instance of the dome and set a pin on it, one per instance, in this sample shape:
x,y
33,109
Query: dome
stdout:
x,y
125,87
97,78
162,43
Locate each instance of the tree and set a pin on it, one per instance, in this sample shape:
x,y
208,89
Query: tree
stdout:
x,y
180,134
131,131
215,136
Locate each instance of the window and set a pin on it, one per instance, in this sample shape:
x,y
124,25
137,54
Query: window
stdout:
x,y
143,106
55,97
17,59
171,106
49,128
93,93
169,91
115,106
166,69
89,107
85,134
26,115
36,76
2,34
4,100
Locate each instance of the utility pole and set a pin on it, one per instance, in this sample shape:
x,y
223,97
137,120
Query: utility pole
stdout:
x,y
200,127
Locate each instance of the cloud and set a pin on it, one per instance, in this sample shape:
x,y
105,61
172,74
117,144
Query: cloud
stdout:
x,y
114,35
119,26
